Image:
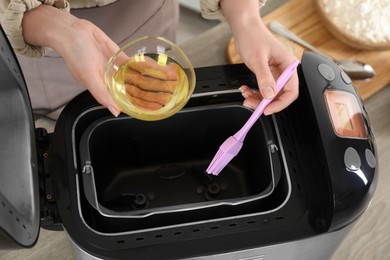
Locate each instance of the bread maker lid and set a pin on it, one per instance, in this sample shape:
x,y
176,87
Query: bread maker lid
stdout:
x,y
19,190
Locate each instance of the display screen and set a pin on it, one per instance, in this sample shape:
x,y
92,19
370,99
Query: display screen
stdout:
x,y
345,114
342,113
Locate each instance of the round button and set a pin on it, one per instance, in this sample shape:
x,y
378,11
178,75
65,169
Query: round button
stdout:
x,y
351,159
346,78
371,160
326,71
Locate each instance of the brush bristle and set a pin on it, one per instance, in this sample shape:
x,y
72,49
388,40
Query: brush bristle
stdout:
x,y
221,164
225,154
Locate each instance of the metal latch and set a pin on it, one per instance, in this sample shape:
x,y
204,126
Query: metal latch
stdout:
x,y
273,148
87,169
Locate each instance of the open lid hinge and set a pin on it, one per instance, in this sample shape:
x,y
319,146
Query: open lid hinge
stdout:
x,y
50,218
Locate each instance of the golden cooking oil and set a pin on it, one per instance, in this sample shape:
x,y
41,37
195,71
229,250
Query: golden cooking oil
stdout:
x,y
150,86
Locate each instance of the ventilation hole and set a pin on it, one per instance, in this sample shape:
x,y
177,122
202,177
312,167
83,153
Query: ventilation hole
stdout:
x,y
24,227
196,230
2,203
221,84
298,186
285,132
17,219
177,233
120,241
290,153
2,49
233,225
279,218
158,236
9,60
214,227
251,222
295,170
139,238
10,212
206,86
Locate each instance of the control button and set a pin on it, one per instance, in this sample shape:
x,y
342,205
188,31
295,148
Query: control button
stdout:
x,y
346,78
326,71
351,159
370,158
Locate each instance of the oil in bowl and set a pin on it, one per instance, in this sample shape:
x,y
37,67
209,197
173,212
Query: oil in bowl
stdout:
x,y
152,81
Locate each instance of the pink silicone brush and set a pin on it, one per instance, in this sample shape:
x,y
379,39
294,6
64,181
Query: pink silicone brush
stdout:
x,y
233,144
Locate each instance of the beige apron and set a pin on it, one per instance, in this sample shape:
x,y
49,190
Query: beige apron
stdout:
x,y
49,81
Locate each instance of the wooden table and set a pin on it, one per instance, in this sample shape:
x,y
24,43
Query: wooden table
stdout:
x,y
301,17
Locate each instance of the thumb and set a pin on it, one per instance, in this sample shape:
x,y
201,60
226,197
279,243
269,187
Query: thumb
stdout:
x,y
106,100
265,81
102,96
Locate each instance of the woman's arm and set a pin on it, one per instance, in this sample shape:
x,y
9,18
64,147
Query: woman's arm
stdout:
x,y
11,16
261,52
84,47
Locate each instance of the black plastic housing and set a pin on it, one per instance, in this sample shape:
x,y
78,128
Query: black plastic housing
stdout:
x,y
292,176
305,201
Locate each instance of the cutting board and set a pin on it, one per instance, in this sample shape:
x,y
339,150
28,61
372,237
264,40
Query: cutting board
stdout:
x,y
301,17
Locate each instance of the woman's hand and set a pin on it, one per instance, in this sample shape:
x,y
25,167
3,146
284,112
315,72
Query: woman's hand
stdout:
x,y
264,55
84,47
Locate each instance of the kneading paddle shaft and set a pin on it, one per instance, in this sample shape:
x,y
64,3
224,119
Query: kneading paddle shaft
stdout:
x,y
233,144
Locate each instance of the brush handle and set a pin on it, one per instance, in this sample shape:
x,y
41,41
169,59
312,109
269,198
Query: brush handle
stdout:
x,y
282,80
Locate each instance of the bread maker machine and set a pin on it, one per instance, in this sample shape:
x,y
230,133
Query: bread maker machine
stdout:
x,y
123,188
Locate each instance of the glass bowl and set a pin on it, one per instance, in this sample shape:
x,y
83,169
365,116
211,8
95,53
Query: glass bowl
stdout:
x,y
150,78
